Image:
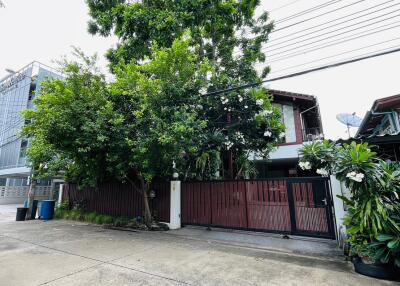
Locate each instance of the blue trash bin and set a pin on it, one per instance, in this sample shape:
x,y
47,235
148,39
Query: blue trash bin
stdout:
x,y
47,209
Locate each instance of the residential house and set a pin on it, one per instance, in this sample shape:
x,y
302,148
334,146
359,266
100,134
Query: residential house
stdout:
x,y
302,120
381,127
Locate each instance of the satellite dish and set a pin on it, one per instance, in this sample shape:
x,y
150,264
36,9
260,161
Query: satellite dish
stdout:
x,y
350,120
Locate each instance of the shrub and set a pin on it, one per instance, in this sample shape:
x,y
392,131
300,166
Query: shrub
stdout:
x,y
373,218
91,217
107,219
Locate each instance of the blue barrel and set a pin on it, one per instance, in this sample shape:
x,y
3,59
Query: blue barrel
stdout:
x,y
47,209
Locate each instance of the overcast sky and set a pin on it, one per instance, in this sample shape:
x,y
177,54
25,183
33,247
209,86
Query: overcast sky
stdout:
x,y
44,30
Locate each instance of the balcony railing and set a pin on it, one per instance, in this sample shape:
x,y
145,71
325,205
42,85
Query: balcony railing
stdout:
x,y
312,134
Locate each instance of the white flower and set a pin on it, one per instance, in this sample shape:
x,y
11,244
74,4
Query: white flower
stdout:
x,y
322,172
305,165
246,106
358,177
225,108
266,112
224,100
240,98
267,133
282,134
228,145
209,75
351,174
260,102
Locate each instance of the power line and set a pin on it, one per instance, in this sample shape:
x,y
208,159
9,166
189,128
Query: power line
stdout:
x,y
332,43
335,55
317,16
284,6
335,25
329,37
313,27
340,18
309,10
362,55
302,72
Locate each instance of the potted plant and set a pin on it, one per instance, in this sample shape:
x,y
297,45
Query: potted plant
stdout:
x,y
372,220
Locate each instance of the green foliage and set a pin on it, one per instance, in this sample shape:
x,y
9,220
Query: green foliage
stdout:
x,y
61,210
213,33
247,168
79,215
91,217
213,25
72,125
386,248
161,126
320,154
360,159
373,217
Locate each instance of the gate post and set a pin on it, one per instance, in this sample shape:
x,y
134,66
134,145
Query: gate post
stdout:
x,y
175,205
60,195
338,206
292,209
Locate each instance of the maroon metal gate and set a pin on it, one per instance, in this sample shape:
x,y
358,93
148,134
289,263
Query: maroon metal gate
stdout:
x,y
289,205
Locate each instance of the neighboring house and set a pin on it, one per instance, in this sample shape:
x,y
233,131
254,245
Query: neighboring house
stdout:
x,y
301,117
381,127
17,92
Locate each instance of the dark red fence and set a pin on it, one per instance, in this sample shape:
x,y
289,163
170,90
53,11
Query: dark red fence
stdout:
x,y
288,205
119,199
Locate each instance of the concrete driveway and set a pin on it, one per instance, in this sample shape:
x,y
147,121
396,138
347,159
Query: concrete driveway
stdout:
x,y
70,253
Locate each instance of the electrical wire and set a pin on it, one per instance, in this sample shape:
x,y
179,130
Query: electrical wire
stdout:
x,y
284,6
329,37
337,64
332,43
340,18
361,55
335,25
335,55
316,26
307,11
317,16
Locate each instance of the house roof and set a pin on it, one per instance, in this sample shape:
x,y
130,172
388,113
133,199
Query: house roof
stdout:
x,y
293,95
386,103
303,100
373,117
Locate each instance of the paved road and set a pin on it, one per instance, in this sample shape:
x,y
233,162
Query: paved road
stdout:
x,y
69,253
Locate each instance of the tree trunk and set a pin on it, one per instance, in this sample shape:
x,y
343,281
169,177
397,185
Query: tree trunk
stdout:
x,y
145,187
31,197
147,212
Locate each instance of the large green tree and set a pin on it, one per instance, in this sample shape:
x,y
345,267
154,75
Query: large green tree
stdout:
x,y
135,129
230,36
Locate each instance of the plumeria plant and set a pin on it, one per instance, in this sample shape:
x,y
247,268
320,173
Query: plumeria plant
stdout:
x,y
374,208
318,156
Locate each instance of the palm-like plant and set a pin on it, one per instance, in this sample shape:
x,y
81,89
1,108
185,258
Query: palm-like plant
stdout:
x,y
372,221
